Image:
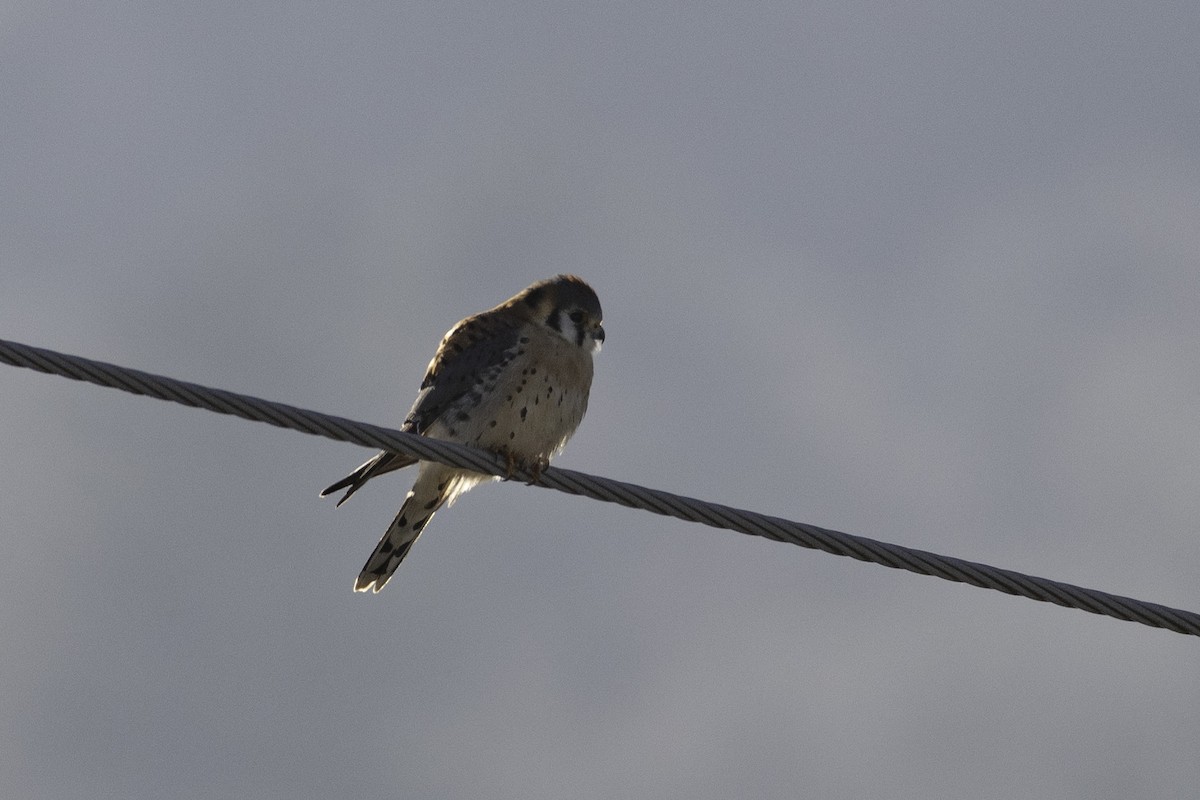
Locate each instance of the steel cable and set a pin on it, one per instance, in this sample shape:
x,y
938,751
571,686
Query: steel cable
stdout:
x,y
600,488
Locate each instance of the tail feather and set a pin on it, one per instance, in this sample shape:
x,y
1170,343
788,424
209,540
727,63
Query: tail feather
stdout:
x,y
427,496
378,465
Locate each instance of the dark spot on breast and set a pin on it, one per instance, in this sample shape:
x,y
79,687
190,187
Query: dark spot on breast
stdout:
x,y
512,435
463,416
524,411
524,340
492,424
432,504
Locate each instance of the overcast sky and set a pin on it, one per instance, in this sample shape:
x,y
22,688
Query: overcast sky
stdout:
x,y
927,272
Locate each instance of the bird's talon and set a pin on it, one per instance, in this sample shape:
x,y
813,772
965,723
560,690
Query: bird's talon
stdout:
x,y
510,465
536,469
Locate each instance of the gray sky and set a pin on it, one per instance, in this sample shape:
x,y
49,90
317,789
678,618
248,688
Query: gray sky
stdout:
x,y
925,272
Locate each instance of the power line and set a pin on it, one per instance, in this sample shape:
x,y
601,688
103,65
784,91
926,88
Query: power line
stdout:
x,y
600,488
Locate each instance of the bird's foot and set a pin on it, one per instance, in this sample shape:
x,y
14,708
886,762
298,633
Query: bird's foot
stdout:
x,y
510,464
536,468
514,464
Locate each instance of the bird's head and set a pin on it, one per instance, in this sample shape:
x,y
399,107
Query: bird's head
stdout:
x,y
568,306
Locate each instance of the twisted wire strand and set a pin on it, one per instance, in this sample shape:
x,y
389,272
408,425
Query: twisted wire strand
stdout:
x,y
604,489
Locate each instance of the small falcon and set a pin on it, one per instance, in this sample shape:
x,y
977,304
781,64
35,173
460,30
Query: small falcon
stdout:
x,y
514,380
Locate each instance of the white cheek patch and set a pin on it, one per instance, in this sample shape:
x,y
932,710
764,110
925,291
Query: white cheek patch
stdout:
x,y
569,331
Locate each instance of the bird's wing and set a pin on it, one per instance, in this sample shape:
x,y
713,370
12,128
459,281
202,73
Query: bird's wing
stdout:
x,y
470,357
378,465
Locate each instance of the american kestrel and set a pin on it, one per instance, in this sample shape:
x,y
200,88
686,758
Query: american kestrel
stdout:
x,y
514,380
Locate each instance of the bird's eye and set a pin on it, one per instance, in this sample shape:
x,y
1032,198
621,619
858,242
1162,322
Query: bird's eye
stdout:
x,y
576,317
